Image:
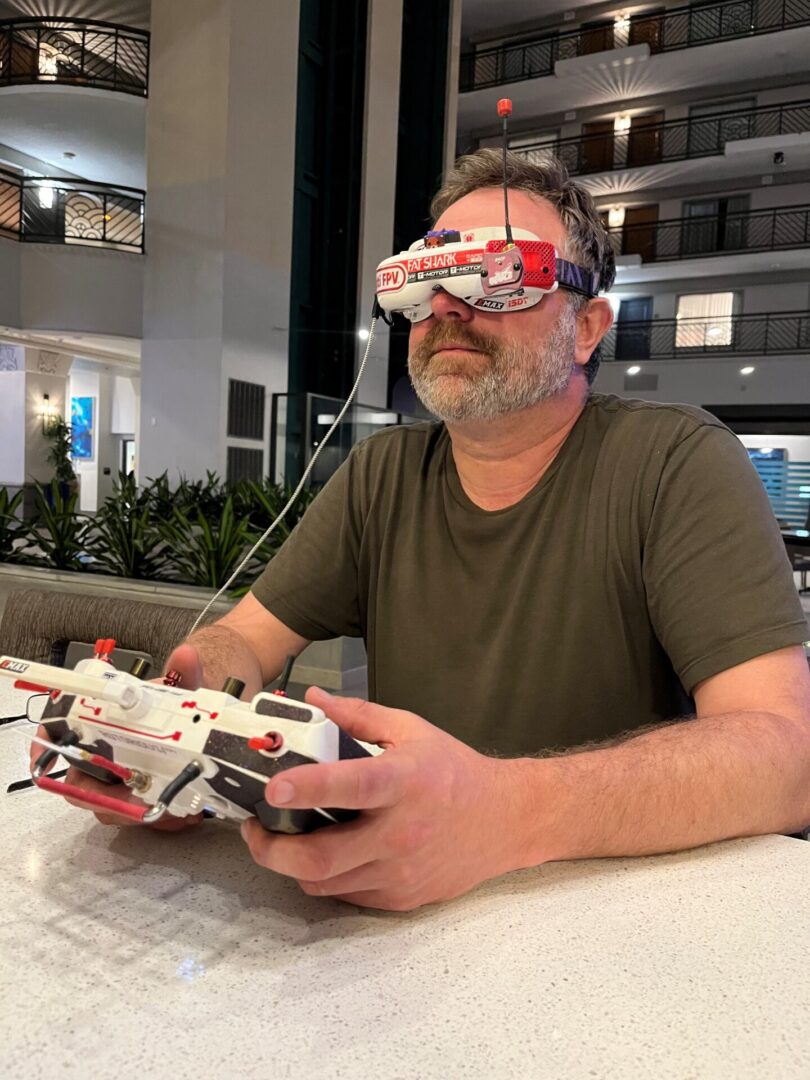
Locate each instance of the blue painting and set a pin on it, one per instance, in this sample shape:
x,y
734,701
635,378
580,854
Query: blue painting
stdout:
x,y
81,427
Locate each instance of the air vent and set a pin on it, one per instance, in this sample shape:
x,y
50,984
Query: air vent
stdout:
x,y
244,464
640,382
245,410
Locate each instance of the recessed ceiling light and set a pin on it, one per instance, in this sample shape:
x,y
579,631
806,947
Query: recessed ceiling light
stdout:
x,y
634,370
363,335
747,370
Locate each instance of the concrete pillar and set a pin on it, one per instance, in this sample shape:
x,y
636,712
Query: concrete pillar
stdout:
x,y
379,183
451,102
220,161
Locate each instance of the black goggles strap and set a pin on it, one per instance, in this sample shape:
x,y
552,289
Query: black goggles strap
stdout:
x,y
577,278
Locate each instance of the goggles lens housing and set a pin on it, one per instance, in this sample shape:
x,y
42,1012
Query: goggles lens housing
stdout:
x,y
481,269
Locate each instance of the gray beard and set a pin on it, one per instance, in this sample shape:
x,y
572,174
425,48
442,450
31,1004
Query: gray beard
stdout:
x,y
518,376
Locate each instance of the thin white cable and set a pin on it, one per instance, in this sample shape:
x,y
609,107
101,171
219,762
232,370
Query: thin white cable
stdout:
x,y
297,491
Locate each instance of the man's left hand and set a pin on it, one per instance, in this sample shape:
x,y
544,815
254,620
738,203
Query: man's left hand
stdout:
x,y
436,817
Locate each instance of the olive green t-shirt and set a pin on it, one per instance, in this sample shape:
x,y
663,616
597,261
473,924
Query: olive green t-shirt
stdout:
x,y
645,560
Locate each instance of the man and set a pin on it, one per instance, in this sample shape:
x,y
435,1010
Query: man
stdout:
x,y
546,568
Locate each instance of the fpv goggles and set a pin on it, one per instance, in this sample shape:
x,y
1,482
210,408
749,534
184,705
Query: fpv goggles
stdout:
x,y
479,267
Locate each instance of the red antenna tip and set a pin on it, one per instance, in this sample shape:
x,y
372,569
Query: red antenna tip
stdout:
x,y
505,107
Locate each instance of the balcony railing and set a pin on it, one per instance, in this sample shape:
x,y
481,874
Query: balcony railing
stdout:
x,y
52,210
715,234
77,52
670,140
663,31
784,333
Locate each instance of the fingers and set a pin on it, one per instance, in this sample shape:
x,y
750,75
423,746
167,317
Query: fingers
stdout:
x,y
365,720
186,661
169,823
336,851
355,784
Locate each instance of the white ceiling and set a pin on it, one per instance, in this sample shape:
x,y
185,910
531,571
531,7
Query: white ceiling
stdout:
x,y
482,17
119,352
106,131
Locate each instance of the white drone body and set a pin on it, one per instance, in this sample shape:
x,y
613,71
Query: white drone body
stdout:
x,y
183,751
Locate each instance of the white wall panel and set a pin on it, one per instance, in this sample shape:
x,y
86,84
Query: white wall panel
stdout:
x,y
80,289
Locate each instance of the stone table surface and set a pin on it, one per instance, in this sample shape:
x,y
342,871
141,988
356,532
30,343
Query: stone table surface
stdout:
x,y
131,953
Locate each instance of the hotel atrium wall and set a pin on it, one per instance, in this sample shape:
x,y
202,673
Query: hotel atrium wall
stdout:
x,y
664,113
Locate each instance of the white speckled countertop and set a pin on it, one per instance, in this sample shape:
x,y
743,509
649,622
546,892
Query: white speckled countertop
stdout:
x,y
128,953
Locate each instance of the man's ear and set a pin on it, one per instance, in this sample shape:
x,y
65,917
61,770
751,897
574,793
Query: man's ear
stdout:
x,y
593,322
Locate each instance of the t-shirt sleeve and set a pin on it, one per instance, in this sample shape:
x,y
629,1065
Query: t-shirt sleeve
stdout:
x,y
719,584
311,583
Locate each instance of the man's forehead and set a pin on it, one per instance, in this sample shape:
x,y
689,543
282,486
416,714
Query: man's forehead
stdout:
x,y
485,207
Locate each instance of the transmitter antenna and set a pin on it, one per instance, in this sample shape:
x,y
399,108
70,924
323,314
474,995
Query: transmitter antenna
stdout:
x,y
505,111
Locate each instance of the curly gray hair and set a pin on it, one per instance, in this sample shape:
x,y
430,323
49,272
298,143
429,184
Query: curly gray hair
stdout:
x,y
588,242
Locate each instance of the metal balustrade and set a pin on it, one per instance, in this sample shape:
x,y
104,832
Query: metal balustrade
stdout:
x,y
714,234
663,31
75,52
52,210
780,333
670,140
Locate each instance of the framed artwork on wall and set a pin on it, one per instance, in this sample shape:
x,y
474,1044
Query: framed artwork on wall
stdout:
x,y
82,414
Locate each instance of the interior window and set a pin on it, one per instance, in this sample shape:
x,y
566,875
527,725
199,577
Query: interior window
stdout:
x,y
704,320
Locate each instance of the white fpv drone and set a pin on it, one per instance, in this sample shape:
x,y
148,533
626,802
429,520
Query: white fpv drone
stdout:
x,y
184,751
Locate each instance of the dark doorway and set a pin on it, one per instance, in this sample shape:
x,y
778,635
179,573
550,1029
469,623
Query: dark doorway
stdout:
x,y
715,225
647,29
644,140
638,235
597,146
596,37
633,329
326,213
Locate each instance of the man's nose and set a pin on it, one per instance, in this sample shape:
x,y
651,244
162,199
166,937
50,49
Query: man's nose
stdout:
x,y
444,305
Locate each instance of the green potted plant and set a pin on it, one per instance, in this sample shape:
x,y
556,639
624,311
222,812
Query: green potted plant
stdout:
x,y
58,434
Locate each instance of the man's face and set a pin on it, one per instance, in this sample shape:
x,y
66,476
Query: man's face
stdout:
x,y
469,364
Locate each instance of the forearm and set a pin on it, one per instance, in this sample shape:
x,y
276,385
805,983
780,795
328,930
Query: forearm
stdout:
x,y
676,787
224,652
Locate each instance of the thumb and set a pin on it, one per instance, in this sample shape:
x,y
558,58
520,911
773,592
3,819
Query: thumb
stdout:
x,y
363,719
185,660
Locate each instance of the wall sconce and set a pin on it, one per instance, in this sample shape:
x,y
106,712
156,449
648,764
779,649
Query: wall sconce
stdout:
x,y
621,25
47,62
47,414
45,193
621,124
616,217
